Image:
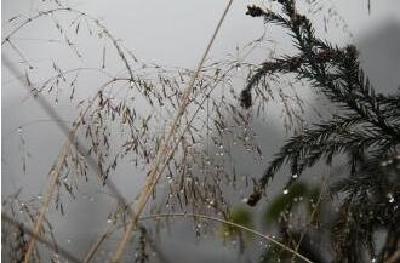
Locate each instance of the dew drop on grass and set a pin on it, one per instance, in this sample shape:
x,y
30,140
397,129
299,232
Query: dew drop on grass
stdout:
x,y
197,230
390,197
238,67
384,163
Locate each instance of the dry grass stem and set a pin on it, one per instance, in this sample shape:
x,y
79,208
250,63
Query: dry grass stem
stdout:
x,y
164,154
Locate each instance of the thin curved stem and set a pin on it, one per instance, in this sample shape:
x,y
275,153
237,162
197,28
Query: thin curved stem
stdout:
x,y
55,174
93,249
223,221
90,255
41,14
164,154
7,219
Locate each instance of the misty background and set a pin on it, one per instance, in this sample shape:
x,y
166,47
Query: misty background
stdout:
x,y
172,34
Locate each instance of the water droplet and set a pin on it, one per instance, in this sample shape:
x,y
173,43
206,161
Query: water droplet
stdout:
x,y
285,192
55,258
390,197
384,163
294,176
238,67
197,230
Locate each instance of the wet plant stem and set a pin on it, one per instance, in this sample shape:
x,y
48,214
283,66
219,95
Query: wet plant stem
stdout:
x,y
55,174
166,151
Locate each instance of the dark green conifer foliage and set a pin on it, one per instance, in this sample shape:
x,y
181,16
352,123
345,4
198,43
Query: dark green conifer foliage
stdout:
x,y
367,131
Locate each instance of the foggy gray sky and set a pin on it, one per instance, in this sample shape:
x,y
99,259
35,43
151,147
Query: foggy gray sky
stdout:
x,y
172,33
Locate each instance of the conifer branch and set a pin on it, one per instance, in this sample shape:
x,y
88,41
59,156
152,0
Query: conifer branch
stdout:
x,y
337,73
